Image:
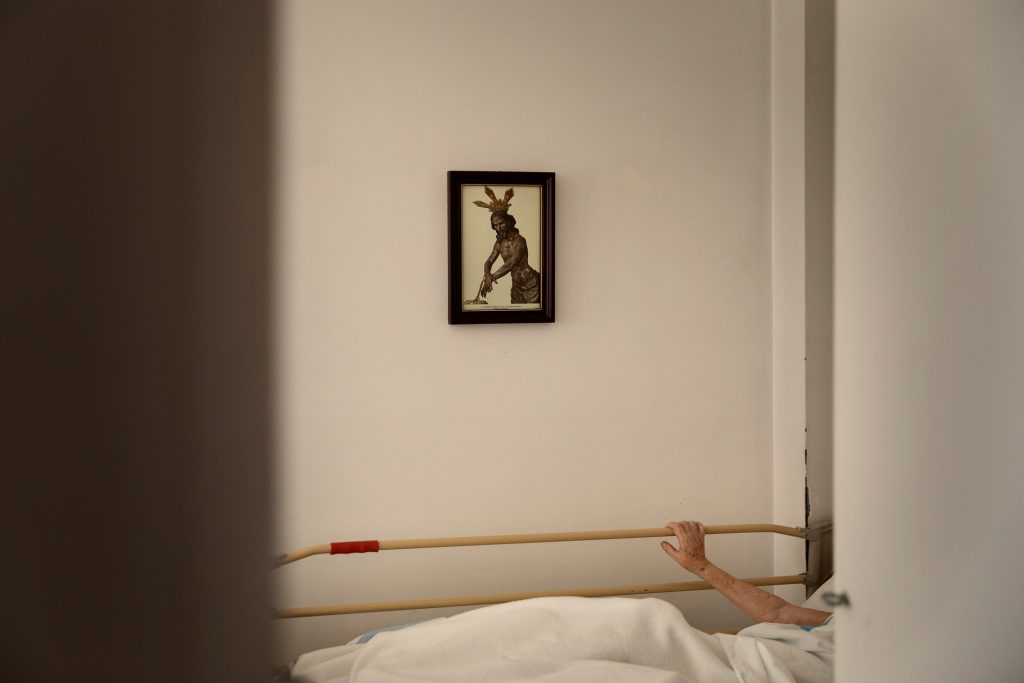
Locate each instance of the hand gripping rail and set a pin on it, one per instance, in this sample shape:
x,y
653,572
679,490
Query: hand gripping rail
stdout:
x,y
347,547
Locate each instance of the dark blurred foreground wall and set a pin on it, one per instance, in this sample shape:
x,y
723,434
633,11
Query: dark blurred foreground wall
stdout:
x,y
134,333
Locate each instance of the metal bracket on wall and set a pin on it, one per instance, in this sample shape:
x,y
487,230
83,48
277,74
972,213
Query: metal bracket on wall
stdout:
x,y
819,554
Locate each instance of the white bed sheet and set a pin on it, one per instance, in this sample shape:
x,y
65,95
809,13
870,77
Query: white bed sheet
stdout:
x,y
576,639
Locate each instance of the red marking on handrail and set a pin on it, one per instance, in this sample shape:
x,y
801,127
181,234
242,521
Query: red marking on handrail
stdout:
x,y
355,547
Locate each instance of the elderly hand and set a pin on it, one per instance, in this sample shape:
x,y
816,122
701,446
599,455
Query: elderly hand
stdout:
x,y
690,553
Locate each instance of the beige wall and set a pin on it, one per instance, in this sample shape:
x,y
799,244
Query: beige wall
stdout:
x,y
648,400
787,259
819,161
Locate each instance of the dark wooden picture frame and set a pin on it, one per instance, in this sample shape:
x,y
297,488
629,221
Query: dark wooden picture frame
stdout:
x,y
501,247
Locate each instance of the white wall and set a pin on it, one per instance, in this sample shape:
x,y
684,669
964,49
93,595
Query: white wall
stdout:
x,y
929,332
788,272
819,211
650,397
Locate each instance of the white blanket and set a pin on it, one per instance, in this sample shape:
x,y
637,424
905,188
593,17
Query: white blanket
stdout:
x,y
575,639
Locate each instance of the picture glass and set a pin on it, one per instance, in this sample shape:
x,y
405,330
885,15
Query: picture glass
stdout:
x,y
490,243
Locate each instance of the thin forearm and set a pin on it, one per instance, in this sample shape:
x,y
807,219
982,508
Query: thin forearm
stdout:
x,y
757,604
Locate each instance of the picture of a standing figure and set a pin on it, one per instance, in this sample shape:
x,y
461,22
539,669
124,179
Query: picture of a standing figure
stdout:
x,y
514,252
515,244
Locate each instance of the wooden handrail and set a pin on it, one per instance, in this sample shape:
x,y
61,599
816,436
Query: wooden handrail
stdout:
x,y
374,546
469,601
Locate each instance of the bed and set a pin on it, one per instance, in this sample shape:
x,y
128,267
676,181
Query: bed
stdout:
x,y
593,634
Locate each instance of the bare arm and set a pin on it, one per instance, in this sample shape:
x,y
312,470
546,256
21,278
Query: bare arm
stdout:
x,y
485,284
757,604
491,259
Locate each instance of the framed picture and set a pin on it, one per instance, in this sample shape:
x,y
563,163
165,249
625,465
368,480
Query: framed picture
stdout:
x,y
501,247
